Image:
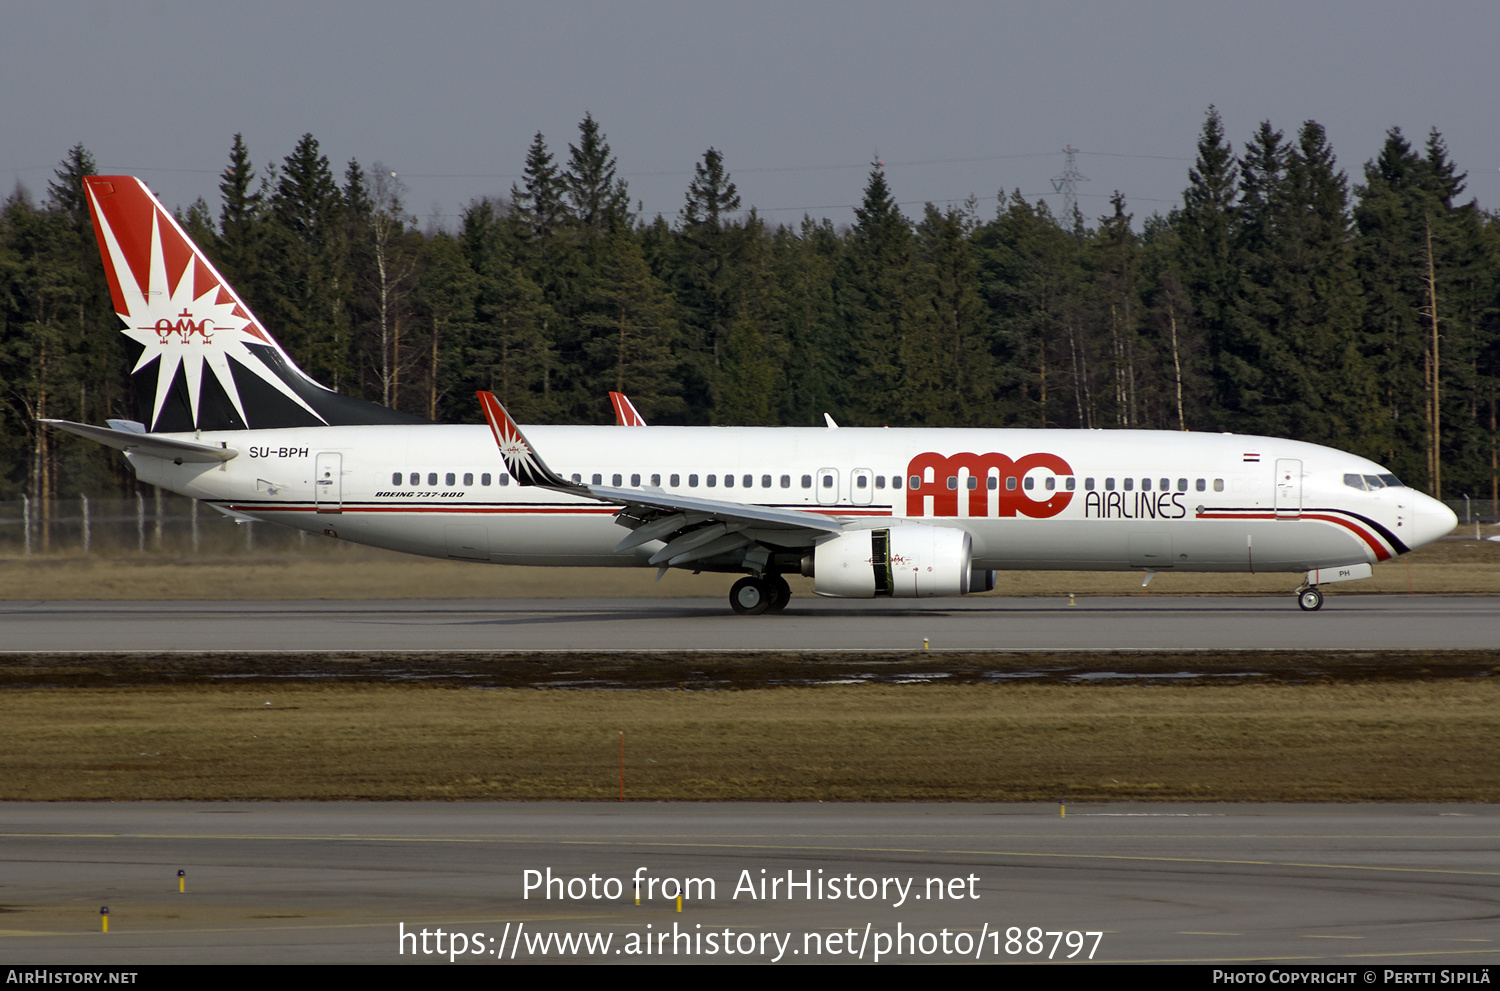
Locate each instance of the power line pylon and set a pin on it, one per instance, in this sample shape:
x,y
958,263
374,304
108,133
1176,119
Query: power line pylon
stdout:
x,y
1067,184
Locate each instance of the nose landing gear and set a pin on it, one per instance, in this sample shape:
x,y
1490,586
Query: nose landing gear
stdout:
x,y
1310,599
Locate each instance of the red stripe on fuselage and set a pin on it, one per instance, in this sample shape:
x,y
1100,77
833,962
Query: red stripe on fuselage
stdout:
x,y
1382,553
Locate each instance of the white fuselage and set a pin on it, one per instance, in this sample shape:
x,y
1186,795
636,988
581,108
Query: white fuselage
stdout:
x,y
1031,499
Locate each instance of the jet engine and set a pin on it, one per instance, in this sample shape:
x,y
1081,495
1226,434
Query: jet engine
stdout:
x,y
904,562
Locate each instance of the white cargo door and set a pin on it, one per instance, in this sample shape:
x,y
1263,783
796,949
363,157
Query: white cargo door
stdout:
x,y
328,486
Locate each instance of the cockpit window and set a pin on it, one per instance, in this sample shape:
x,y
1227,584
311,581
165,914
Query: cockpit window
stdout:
x,y
1355,482
1392,482
1373,482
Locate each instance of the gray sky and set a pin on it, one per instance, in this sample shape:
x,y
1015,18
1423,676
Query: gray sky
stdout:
x,y
956,98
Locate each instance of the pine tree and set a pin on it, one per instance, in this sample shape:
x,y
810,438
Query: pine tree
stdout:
x,y
241,226
1205,229
877,304
805,264
599,200
752,368
538,201
704,269
1392,215
957,363
308,254
630,333
1032,273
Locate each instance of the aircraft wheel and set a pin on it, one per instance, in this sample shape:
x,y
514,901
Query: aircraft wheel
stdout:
x,y
1310,599
781,593
751,596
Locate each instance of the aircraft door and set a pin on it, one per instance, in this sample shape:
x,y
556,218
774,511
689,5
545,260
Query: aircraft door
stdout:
x,y
828,486
328,485
1288,488
861,486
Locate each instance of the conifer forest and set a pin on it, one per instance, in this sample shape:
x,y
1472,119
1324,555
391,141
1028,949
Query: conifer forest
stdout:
x,y
1285,296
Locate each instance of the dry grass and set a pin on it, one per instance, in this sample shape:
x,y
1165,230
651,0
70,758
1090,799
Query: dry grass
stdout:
x,y
1428,741
1460,565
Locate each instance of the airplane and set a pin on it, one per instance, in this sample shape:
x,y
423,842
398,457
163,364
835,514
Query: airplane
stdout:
x,y
865,512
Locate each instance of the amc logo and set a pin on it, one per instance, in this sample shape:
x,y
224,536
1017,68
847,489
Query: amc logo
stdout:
x,y
934,470
184,328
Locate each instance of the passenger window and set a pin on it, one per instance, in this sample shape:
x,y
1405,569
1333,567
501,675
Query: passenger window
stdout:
x,y
416,479
1088,485
1109,485
449,479
728,481
432,478
1166,485
675,481
1202,485
1129,484
880,481
973,483
468,478
396,478
861,482
1182,485
714,480
1010,484
1051,483
656,481
1072,482
827,481
1028,484
765,481
992,483
786,481
598,479
577,478
895,481
1218,485
953,482
747,482
504,478
916,482
692,481
484,479
1145,485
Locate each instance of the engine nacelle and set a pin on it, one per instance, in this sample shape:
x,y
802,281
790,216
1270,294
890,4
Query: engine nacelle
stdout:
x,y
905,562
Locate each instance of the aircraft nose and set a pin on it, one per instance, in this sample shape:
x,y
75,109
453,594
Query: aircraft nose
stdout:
x,y
1431,520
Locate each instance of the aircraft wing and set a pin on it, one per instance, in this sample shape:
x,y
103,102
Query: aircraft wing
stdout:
x,y
693,528
152,445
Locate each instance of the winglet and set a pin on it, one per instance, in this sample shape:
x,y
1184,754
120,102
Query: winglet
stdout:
x,y
521,459
626,415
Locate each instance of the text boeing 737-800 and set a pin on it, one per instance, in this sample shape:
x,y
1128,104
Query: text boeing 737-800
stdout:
x,y
865,512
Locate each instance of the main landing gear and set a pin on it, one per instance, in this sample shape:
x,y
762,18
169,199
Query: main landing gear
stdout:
x,y
759,593
1310,599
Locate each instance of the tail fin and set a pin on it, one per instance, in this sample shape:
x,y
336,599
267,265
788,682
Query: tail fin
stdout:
x,y
626,415
217,368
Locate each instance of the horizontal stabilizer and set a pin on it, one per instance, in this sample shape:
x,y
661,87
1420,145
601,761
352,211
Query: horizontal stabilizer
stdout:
x,y
151,445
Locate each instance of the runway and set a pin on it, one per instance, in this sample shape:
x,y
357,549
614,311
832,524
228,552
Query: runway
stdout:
x,y
1346,622
328,883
